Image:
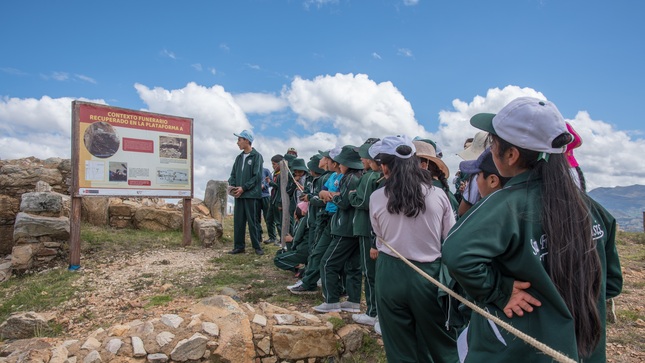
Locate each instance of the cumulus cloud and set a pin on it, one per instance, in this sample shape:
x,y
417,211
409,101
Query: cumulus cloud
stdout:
x,y
354,105
261,103
36,127
332,109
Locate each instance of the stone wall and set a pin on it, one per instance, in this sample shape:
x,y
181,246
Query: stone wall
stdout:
x,y
217,329
20,178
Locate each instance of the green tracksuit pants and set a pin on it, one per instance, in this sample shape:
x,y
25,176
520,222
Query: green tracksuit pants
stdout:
x,y
246,211
264,213
343,253
288,260
368,266
411,320
274,222
312,272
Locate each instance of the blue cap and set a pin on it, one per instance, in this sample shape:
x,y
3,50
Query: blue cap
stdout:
x,y
245,134
483,163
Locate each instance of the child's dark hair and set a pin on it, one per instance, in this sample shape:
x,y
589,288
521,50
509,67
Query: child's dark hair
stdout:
x,y
403,187
436,171
573,263
502,180
277,158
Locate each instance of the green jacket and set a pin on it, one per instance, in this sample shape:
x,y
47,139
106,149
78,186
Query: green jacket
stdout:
x,y
341,221
604,232
249,175
499,240
360,200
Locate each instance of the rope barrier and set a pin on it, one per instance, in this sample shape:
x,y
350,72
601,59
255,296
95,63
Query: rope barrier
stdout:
x,y
525,337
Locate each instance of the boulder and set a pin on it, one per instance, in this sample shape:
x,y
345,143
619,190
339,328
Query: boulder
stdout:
x,y
215,198
22,325
209,231
158,219
94,210
45,204
300,342
31,228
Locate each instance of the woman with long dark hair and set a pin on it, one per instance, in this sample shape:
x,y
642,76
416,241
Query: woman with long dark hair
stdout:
x,y
413,217
537,253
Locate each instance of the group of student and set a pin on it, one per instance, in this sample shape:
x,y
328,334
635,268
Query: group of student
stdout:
x,y
521,239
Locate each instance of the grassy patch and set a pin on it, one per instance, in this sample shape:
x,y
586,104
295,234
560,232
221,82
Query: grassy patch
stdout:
x,y
337,323
36,292
158,300
108,240
369,352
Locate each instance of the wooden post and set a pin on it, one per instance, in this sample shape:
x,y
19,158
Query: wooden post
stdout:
x,y
286,218
643,221
188,232
75,235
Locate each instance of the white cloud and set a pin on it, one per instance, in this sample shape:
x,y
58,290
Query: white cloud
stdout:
x,y
355,106
376,55
224,47
212,70
338,110
261,103
405,52
197,67
36,127
169,54
85,78
410,2
318,3
253,66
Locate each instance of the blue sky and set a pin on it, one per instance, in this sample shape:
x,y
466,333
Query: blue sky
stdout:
x,y
315,74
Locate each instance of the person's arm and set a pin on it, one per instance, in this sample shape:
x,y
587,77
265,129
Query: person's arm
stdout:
x,y
360,199
614,283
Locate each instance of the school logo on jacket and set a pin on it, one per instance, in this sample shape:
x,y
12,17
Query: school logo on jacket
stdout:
x,y
539,248
249,161
596,231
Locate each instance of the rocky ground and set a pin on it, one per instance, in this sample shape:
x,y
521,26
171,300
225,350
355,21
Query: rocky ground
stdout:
x,y
117,287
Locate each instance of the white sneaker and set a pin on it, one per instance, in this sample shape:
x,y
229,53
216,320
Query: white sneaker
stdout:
x,y
377,328
328,308
319,283
364,319
294,285
350,307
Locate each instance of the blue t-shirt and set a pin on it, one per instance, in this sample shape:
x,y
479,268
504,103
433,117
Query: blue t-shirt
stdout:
x,y
266,191
333,185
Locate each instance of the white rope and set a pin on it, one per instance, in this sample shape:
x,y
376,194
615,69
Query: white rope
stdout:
x,y
527,338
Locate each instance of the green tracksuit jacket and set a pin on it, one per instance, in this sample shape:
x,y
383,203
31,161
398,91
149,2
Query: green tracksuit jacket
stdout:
x,y
360,200
499,240
341,221
249,177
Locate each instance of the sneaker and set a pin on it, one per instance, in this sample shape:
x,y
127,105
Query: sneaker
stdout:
x,y
235,251
299,290
319,283
364,319
377,328
259,252
294,285
267,241
350,307
328,308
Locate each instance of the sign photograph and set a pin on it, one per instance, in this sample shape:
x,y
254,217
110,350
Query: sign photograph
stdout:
x,y
122,152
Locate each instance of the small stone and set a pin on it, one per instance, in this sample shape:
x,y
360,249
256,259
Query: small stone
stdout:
x,y
284,319
210,328
91,344
260,320
172,320
114,345
264,345
157,358
138,350
118,330
164,338
92,357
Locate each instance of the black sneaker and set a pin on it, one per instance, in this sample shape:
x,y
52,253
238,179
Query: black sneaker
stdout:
x,y
259,252
235,251
270,240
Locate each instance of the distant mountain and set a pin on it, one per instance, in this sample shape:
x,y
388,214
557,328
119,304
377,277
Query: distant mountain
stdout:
x,y
626,204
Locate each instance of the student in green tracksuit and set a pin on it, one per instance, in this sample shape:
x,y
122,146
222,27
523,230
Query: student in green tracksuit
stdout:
x,y
275,200
343,252
413,217
539,254
298,250
360,200
316,206
245,183
308,284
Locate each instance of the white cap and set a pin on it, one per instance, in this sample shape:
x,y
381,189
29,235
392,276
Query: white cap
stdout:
x,y
477,147
389,146
526,122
